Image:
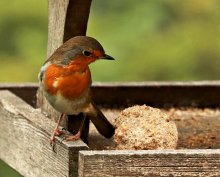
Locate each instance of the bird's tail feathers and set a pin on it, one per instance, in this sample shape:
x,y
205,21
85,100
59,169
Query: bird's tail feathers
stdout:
x,y
102,124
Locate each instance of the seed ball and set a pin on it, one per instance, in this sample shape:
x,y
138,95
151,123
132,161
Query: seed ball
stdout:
x,y
144,127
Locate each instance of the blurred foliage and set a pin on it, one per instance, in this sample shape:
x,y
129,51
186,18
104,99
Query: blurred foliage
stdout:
x,y
23,35
151,40
158,40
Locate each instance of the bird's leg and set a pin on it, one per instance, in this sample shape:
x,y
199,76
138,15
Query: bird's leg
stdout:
x,y
78,134
56,131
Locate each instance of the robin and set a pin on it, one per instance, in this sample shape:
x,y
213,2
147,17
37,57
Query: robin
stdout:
x,y
65,79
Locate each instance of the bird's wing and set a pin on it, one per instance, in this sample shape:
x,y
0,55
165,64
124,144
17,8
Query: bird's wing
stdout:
x,y
42,70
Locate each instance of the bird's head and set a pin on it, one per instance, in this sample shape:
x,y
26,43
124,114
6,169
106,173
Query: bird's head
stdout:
x,y
79,50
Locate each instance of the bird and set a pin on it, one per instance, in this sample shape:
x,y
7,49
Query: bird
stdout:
x,y
65,79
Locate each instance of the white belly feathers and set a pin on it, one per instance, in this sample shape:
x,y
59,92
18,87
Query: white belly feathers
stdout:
x,y
70,107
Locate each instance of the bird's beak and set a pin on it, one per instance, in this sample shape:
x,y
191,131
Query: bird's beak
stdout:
x,y
106,57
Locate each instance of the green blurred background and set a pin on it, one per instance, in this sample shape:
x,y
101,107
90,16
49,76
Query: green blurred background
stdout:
x,y
151,40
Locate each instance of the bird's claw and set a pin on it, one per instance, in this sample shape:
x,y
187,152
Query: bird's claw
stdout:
x,y
63,129
52,143
72,137
58,132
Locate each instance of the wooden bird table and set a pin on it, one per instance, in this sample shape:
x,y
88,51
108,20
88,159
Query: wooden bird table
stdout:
x,y
25,130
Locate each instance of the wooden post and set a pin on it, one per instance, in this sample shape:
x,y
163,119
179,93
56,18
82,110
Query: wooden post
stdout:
x,y
67,18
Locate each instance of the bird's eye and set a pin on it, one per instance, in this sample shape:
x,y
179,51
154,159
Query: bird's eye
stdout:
x,y
87,53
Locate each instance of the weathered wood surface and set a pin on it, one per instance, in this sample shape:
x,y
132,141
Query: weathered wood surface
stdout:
x,y
66,19
197,129
24,141
26,91
56,21
150,163
21,124
77,16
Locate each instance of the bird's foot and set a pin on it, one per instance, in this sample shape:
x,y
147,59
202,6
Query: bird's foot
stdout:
x,y
52,140
73,137
56,132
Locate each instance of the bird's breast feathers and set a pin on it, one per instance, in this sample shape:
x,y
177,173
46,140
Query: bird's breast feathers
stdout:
x,y
66,88
68,81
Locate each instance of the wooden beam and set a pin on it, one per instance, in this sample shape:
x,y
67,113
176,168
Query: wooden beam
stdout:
x,y
159,94
150,163
66,19
56,21
76,18
24,141
26,91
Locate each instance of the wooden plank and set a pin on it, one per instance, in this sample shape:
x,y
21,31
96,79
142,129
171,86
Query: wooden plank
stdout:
x,y
159,94
25,155
150,163
197,129
24,141
26,91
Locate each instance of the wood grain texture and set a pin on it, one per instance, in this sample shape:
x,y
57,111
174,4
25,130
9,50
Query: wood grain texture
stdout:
x,y
26,91
24,134
67,18
57,11
152,163
196,130
76,18
24,141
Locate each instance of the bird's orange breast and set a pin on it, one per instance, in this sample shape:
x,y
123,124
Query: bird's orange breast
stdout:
x,y
70,81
